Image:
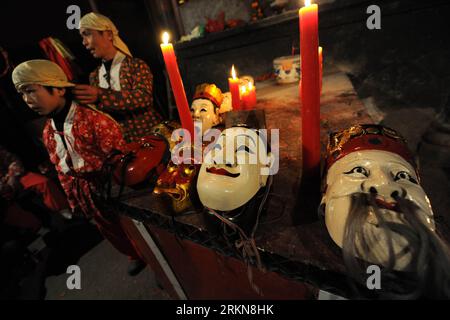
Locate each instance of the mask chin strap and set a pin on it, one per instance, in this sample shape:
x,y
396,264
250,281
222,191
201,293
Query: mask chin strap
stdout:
x,y
246,244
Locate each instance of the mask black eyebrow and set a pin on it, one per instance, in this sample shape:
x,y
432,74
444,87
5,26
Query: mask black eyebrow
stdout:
x,y
244,135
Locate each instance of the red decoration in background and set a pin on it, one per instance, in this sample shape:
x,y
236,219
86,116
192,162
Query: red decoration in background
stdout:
x,y
53,54
216,25
257,12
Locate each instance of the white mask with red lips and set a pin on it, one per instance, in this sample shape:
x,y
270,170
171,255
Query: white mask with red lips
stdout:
x,y
233,170
386,176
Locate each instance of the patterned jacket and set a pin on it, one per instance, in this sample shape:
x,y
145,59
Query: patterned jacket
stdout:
x,y
90,136
132,106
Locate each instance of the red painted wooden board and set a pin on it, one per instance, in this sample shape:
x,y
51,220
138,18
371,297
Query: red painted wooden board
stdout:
x,y
206,274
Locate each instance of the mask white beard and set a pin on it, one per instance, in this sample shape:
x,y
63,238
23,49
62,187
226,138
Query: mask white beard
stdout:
x,y
204,110
382,168
242,181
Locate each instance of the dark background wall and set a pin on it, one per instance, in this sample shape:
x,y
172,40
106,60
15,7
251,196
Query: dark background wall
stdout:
x,y
405,64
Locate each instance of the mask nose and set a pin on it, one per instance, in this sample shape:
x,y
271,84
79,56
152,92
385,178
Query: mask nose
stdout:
x,y
384,187
228,164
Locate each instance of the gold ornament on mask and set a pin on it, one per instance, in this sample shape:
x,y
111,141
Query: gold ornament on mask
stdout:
x,y
165,129
210,92
339,139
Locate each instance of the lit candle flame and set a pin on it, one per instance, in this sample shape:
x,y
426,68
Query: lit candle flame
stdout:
x,y
250,86
165,38
233,72
307,3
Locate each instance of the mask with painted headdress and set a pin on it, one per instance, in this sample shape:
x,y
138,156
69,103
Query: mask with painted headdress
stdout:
x,y
205,106
375,208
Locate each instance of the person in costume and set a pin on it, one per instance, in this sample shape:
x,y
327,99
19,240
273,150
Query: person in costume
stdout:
x,y
79,139
122,85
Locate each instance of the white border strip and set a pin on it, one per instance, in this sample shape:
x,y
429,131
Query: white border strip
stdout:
x,y
162,261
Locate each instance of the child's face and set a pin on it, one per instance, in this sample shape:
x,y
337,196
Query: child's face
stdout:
x,y
40,100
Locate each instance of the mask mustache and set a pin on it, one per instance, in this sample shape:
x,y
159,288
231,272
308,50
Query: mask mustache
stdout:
x,y
428,271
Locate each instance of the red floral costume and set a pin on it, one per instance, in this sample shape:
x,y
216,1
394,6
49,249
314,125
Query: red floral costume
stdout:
x,y
132,106
90,136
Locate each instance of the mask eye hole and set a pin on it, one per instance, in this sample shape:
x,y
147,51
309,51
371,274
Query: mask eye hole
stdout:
x,y
403,175
244,148
358,172
203,110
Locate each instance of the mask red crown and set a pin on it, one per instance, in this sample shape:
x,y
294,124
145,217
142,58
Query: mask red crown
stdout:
x,y
367,137
209,92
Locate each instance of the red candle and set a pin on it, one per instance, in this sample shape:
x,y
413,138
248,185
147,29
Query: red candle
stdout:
x,y
248,96
233,84
321,73
321,66
310,89
242,95
177,85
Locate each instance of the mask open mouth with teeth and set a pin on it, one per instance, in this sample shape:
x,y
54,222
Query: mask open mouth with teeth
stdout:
x,y
178,182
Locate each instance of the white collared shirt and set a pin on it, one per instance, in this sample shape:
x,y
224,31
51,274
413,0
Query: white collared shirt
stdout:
x,y
61,151
114,73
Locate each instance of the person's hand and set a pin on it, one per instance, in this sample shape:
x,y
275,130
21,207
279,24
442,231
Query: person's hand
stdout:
x,y
86,94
